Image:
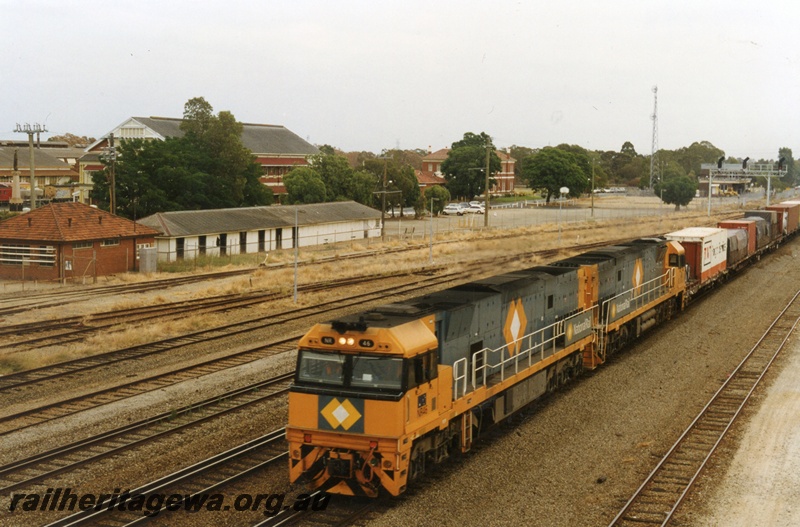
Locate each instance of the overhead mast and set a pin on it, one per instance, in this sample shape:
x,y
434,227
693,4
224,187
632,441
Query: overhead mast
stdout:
x,y
654,174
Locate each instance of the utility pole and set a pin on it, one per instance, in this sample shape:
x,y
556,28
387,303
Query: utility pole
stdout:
x,y
486,205
30,130
112,184
383,197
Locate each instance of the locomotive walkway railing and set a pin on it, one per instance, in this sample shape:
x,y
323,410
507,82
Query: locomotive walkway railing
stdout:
x,y
629,302
533,348
480,371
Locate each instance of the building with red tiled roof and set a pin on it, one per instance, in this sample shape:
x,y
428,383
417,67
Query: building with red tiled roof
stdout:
x,y
62,241
429,179
504,180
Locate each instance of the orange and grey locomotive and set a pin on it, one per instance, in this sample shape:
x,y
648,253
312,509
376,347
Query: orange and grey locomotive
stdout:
x,y
382,395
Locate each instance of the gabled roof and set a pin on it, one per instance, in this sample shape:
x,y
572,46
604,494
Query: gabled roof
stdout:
x,y
210,222
70,222
261,139
439,155
44,162
429,178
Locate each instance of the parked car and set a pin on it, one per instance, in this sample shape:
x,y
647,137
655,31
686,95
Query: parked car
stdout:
x,y
453,208
478,203
475,209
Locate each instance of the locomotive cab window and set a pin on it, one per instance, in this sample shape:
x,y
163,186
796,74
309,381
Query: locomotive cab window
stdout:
x,y
321,368
677,260
377,372
421,369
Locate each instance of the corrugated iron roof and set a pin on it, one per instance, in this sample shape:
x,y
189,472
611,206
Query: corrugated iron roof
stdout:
x,y
258,138
204,222
68,222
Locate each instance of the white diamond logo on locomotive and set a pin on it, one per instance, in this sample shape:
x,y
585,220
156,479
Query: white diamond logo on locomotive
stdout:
x,y
638,276
340,414
514,328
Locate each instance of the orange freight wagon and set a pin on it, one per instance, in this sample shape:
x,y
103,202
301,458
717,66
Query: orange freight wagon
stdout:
x,y
748,225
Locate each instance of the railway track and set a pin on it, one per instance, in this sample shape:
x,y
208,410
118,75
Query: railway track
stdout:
x,y
24,473
201,478
76,328
45,376
659,497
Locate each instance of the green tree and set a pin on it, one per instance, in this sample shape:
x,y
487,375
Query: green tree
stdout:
x,y
465,164
440,196
553,168
208,167
304,185
676,188
790,178
335,172
362,187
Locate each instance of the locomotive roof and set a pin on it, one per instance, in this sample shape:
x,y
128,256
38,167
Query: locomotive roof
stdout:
x,y
390,315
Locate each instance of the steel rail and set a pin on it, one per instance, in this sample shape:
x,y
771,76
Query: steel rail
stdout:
x,y
659,496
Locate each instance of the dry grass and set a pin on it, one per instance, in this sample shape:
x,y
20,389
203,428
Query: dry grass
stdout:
x,y
107,341
453,250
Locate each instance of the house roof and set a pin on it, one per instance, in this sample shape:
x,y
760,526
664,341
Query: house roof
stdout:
x,y
205,222
70,222
428,178
44,162
261,139
439,155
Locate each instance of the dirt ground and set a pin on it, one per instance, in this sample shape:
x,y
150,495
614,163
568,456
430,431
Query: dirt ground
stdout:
x,y
762,484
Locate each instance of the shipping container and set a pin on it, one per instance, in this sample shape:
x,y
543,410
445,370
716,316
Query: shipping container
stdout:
x,y
749,225
706,250
763,237
794,212
771,218
788,214
737,246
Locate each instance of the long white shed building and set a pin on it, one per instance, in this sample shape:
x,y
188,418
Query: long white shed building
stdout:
x,y
221,232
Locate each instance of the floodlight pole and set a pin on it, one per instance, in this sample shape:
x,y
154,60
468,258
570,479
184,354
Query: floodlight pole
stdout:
x,y
30,130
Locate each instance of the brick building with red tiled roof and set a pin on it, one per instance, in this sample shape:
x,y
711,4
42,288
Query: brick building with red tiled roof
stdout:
x,y
432,168
62,241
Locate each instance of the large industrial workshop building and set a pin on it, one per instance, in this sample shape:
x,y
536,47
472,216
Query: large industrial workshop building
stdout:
x,y
276,148
64,241
224,232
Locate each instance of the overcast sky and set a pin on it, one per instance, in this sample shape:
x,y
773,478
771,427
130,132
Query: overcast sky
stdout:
x,y
383,74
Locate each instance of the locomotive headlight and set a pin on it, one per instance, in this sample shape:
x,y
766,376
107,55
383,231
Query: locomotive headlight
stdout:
x,y
351,341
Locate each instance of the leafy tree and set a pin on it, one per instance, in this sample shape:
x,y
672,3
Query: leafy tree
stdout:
x,y
465,163
440,195
206,168
553,168
362,187
790,178
676,188
304,185
335,172
401,181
